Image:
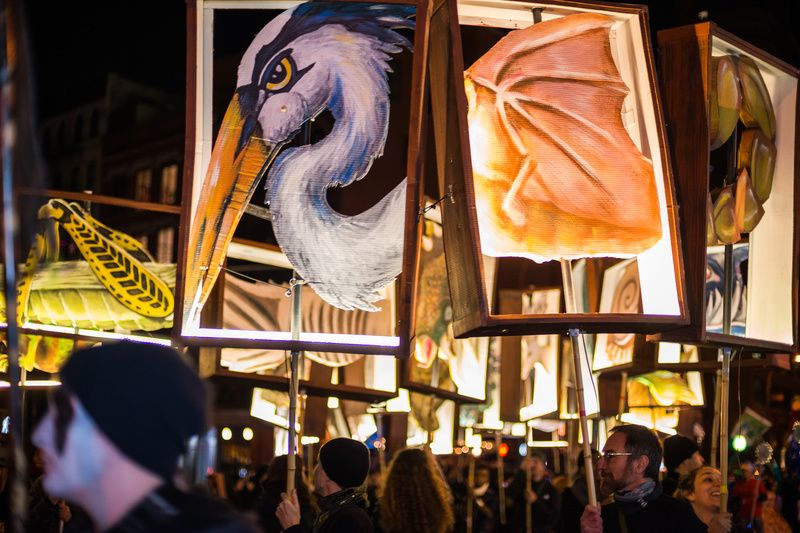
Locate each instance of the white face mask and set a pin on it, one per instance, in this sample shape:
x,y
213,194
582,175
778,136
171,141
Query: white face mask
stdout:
x,y
77,467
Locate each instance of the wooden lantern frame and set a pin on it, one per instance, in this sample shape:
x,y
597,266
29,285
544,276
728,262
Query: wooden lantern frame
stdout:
x,y
404,365
685,60
472,313
198,139
511,397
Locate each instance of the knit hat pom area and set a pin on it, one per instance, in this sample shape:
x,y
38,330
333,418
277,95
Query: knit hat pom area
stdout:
x,y
677,449
345,461
143,397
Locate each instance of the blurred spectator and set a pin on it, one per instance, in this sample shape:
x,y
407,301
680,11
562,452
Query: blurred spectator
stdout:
x,y
274,485
485,504
51,515
750,502
681,456
790,493
247,489
542,500
770,514
415,496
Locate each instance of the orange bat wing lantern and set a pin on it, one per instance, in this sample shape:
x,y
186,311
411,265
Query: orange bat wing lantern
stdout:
x,y
556,174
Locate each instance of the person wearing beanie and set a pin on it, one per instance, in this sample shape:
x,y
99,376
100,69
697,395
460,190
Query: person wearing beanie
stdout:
x,y
342,469
112,435
681,456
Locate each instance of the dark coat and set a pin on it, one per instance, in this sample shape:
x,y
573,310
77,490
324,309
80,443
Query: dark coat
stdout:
x,y
573,502
670,483
485,509
169,510
658,513
339,513
545,511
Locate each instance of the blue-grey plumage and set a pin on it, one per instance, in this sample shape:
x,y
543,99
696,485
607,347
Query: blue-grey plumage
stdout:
x,y
331,56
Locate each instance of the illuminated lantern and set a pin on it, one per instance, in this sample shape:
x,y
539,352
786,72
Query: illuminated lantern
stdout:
x,y
311,222
551,147
331,127
733,115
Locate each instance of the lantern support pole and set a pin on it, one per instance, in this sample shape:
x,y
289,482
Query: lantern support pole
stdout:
x,y
294,381
296,291
381,441
8,129
579,355
723,428
727,298
715,426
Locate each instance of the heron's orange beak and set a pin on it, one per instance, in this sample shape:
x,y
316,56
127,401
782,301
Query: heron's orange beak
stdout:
x,y
237,165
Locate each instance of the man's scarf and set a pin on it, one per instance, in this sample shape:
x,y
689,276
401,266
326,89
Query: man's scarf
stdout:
x,y
641,495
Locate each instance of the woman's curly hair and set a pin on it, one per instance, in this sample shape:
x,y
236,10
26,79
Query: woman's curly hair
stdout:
x,y
415,496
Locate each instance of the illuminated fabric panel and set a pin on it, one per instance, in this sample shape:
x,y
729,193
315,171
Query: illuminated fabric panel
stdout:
x,y
556,173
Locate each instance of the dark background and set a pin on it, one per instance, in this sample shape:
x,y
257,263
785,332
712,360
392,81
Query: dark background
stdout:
x,y
76,45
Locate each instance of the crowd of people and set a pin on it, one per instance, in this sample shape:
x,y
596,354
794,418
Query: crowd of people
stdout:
x,y
109,456
423,493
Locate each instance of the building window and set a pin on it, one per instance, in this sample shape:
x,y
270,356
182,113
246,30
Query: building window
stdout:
x,y
166,243
169,184
144,182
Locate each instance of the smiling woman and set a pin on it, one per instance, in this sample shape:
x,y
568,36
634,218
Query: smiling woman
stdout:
x,y
701,488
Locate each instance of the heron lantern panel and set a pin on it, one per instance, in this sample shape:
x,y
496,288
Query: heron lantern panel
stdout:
x,y
733,115
551,146
303,150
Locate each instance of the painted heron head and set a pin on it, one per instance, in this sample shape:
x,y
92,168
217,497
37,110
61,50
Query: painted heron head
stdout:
x,y
313,57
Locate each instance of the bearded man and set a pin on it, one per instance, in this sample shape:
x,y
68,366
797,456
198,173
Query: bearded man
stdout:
x,y
628,469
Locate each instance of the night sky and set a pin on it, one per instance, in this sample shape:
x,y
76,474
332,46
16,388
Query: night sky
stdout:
x,y
76,44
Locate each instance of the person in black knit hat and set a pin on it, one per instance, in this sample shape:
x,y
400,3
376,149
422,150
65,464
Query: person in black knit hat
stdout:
x,y
681,456
342,468
112,435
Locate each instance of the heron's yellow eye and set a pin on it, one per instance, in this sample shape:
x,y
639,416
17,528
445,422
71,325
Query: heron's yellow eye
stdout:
x,y
281,75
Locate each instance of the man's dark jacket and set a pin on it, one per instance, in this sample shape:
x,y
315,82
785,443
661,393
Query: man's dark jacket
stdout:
x,y
169,510
656,513
342,512
545,511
